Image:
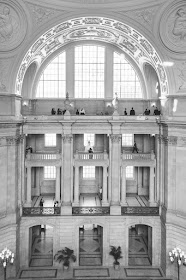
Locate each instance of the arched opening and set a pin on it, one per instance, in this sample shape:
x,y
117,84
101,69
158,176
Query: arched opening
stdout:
x,y
140,245
90,245
41,246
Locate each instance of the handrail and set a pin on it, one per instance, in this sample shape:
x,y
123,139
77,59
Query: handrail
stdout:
x,y
94,155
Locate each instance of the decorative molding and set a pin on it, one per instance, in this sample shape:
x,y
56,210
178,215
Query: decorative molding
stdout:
x,y
13,25
67,138
173,27
115,138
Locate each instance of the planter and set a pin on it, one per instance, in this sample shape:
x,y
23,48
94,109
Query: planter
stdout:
x,y
116,266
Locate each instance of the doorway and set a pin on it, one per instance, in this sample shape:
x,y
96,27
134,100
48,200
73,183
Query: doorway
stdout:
x,y
41,246
140,245
90,245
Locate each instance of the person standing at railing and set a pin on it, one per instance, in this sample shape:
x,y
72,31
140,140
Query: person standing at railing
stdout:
x,y
41,203
90,153
135,148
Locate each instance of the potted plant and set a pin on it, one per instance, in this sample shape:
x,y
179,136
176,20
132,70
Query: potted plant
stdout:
x,y
116,253
65,255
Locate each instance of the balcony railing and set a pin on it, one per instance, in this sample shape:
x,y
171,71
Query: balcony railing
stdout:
x,y
94,156
42,156
140,211
138,156
90,210
38,211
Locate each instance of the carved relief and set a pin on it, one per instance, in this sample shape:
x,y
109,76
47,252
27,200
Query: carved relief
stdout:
x,y
12,26
41,14
173,28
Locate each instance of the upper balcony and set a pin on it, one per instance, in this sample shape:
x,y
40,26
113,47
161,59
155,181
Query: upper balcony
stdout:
x,y
43,159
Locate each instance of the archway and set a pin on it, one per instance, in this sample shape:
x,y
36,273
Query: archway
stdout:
x,y
129,40
140,245
90,245
41,246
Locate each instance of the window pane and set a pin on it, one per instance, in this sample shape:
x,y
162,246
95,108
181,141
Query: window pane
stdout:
x,y
89,71
52,83
89,137
50,140
127,139
89,172
125,80
129,172
49,172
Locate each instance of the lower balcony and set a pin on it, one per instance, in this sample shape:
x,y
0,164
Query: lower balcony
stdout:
x,y
91,204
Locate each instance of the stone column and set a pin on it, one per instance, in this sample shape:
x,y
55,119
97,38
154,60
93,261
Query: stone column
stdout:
x,y
171,173
57,194
28,192
67,175
151,187
123,188
115,208
76,187
157,169
104,191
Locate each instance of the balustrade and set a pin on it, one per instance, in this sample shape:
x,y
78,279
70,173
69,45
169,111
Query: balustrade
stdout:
x,y
138,156
88,156
42,156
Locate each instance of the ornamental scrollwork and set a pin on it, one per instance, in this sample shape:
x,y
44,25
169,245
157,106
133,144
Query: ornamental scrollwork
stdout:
x,y
13,140
181,141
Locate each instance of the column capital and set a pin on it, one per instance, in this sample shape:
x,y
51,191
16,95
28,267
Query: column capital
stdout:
x,y
67,138
163,139
115,138
13,140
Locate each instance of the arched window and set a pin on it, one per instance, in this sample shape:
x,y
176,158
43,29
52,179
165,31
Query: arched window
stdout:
x,y
125,80
52,83
89,71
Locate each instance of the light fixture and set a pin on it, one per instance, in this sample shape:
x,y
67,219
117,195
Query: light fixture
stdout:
x,y
6,256
179,257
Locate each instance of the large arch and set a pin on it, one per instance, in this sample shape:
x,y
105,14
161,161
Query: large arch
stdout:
x,y
102,29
